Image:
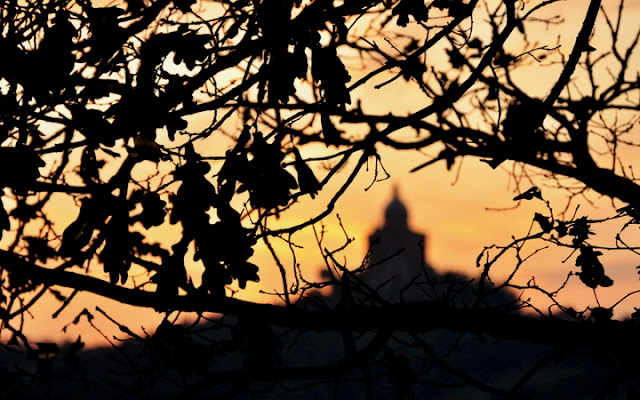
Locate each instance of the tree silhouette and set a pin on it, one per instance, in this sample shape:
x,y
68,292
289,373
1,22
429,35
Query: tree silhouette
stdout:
x,y
102,110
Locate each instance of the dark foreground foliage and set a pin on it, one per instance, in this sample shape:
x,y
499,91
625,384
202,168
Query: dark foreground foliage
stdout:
x,y
210,120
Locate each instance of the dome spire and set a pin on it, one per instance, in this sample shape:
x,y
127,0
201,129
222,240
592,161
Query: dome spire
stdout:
x,y
395,190
396,213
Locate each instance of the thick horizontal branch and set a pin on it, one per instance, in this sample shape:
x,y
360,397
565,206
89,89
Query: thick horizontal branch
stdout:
x,y
411,317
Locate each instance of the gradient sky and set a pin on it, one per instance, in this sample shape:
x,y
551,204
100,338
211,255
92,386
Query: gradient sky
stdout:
x,y
458,210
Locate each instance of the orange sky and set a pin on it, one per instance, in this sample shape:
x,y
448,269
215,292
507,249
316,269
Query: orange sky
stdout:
x,y
454,216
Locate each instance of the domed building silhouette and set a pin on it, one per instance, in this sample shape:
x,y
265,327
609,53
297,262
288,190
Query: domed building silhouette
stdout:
x,y
398,268
397,256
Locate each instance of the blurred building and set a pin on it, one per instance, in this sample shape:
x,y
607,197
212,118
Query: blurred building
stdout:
x,y
397,256
398,268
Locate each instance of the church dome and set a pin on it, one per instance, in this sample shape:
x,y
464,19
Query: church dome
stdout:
x,y
396,213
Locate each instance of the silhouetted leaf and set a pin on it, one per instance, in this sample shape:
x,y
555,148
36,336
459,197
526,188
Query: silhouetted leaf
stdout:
x,y
331,75
282,69
174,125
93,125
184,5
416,8
191,49
92,215
592,271
57,295
195,196
243,271
54,51
78,234
106,34
115,263
412,67
153,209
544,222
39,249
235,166
503,59
454,7
214,279
521,122
274,21
20,281
561,228
475,43
172,275
25,212
456,59
529,194
268,183
580,230
57,44
306,178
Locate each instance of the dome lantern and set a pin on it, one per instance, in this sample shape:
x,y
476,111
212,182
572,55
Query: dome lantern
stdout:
x,y
396,215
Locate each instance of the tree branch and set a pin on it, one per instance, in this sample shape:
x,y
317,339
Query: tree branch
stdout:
x,y
425,316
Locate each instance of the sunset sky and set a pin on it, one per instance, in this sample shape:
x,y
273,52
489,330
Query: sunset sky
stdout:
x,y
461,211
